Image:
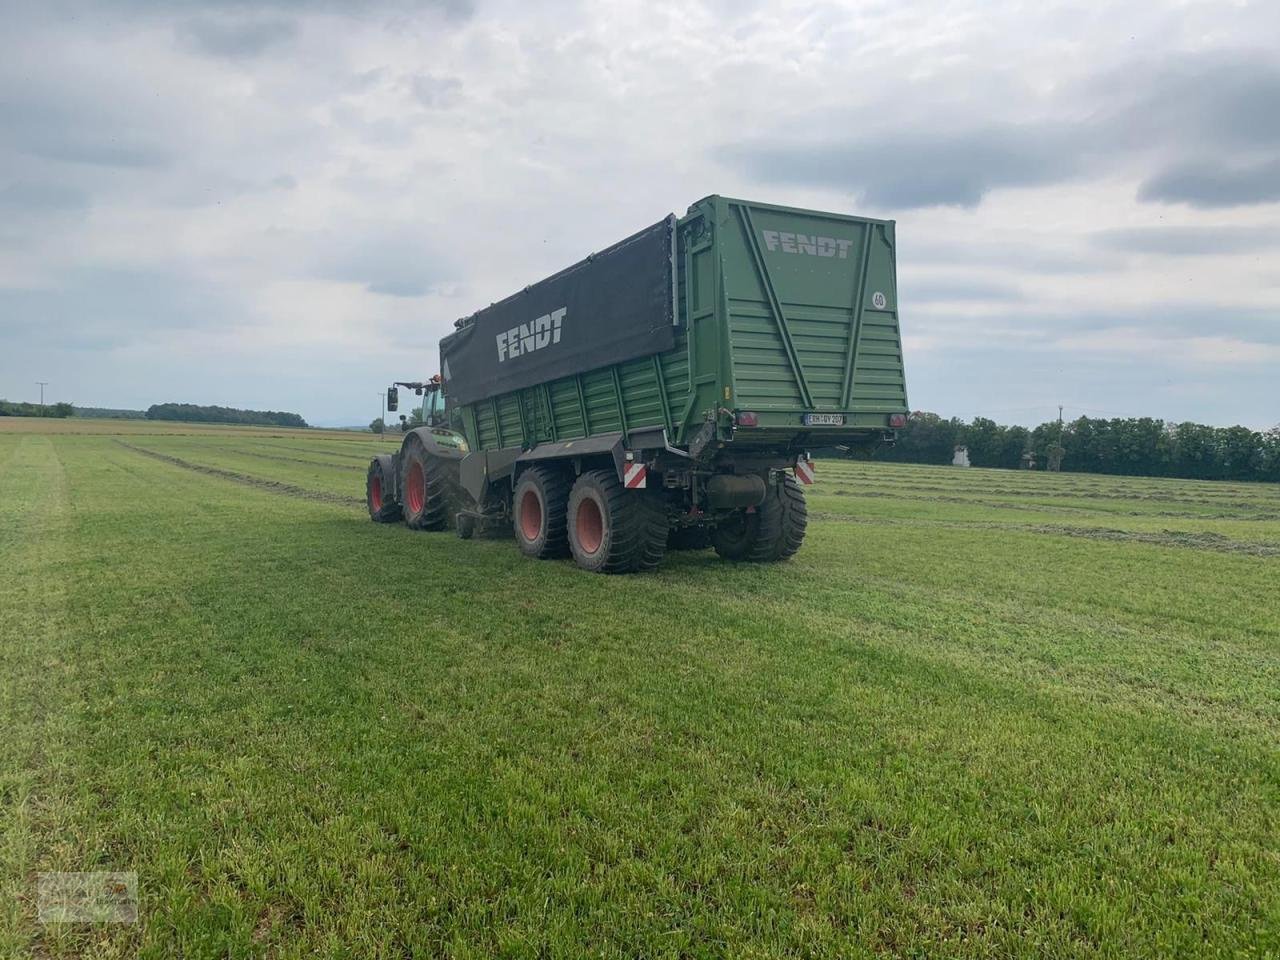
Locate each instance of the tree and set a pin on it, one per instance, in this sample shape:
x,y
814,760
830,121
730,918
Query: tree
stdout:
x,y
377,426
1134,446
193,413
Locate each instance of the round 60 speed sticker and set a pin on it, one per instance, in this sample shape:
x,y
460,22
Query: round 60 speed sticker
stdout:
x,y
878,301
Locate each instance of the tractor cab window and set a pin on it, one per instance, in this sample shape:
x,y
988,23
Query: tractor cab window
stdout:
x,y
433,407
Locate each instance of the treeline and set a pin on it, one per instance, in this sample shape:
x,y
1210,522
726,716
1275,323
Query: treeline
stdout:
x,y
191,413
109,413
10,409
1135,446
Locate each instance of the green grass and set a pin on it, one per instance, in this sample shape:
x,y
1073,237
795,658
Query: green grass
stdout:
x,y
981,714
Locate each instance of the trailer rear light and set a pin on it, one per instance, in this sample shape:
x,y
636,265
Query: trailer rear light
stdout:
x,y
746,419
897,420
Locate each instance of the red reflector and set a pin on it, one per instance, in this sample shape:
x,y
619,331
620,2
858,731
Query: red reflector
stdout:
x,y
897,420
748,420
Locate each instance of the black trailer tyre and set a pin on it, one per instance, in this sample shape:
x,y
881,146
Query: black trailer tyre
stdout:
x,y
538,511
689,538
465,525
612,529
773,531
424,492
380,491
735,535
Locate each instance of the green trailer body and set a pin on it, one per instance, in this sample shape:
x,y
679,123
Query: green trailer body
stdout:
x,y
701,360
780,312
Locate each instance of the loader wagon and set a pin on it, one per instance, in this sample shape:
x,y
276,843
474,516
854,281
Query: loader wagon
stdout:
x,y
661,394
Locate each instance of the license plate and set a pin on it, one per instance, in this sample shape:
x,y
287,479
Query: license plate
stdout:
x,y
824,419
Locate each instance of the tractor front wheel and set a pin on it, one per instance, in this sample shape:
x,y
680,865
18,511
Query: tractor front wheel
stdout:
x,y
380,491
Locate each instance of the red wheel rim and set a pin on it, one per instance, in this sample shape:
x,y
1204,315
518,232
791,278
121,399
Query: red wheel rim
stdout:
x,y
416,488
530,516
375,494
589,524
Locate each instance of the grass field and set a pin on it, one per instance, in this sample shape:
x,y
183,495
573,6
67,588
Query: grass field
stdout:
x,y
981,714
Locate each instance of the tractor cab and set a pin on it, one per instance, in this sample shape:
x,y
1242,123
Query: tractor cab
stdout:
x,y
432,410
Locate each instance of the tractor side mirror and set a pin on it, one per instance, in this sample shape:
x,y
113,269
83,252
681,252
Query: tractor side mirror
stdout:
x,y
393,399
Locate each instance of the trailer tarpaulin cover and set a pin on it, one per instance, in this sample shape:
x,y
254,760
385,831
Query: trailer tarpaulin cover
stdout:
x,y
616,305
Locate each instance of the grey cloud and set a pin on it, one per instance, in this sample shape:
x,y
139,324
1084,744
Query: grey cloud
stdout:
x,y
904,170
1209,125
1212,99
104,308
149,9
72,128
1038,258
1188,240
236,38
948,290
394,261
1214,184
41,197
31,207
433,91
1025,325
1175,117
105,152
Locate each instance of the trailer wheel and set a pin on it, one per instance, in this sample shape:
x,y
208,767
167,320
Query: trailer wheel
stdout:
x,y
538,508
423,485
689,538
380,491
612,529
465,525
773,531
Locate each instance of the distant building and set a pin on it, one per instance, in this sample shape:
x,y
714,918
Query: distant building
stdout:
x,y
961,458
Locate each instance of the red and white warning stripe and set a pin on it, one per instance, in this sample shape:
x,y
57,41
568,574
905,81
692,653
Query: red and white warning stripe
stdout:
x,y
804,472
635,477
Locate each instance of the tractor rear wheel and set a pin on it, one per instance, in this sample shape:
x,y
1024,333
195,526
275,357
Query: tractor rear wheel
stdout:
x,y
538,512
424,489
380,491
612,529
772,531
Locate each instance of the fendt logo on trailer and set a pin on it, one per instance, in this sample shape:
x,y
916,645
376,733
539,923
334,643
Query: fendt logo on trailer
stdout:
x,y
528,337
813,246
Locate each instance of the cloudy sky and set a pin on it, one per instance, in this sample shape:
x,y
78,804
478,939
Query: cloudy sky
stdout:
x,y
284,205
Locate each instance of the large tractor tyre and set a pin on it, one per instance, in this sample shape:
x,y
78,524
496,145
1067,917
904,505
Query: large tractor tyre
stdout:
x,y
380,491
423,489
538,513
772,531
689,538
612,529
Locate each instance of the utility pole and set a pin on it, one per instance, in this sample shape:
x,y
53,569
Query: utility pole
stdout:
x,y
382,417
43,384
1057,451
